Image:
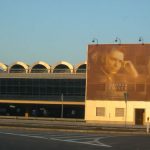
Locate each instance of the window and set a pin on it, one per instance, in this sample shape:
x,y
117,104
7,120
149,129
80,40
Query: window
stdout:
x,y
72,89
100,111
119,112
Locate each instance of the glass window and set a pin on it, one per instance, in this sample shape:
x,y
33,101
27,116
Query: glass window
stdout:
x,y
119,112
100,111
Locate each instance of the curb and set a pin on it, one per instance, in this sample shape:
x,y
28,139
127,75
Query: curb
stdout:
x,y
67,128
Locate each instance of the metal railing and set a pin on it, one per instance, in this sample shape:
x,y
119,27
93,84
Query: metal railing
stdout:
x,y
44,71
73,98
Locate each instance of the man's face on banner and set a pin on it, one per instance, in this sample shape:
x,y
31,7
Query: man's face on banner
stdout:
x,y
114,61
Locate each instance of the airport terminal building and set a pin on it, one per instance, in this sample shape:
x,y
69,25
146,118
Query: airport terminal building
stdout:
x,y
112,87
42,90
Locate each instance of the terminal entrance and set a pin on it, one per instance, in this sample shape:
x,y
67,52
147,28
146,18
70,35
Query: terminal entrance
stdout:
x,y
43,110
139,116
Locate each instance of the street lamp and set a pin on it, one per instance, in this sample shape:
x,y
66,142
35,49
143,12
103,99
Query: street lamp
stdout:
x,y
95,40
126,100
117,40
62,106
141,40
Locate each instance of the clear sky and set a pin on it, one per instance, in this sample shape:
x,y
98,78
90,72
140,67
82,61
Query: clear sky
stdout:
x,y
55,30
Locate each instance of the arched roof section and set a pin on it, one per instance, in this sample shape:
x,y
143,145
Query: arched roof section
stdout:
x,y
81,68
18,67
40,67
3,67
63,67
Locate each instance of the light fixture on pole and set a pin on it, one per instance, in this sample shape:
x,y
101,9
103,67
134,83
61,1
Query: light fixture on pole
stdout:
x,y
117,40
62,105
141,40
95,40
126,100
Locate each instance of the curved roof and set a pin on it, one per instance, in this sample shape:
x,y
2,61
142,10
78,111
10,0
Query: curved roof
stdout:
x,y
21,64
3,67
41,63
81,67
64,63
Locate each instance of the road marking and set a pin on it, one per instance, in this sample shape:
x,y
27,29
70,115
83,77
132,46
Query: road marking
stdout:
x,y
75,136
66,136
82,138
95,141
95,144
24,135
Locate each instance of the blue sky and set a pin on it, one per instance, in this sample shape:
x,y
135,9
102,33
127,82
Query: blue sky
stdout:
x,y
55,30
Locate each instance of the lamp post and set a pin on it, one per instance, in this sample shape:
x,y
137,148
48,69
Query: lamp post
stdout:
x,y
117,40
147,127
141,40
95,40
62,106
126,100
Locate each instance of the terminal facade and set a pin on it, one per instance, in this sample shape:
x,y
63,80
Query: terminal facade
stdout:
x,y
42,90
112,87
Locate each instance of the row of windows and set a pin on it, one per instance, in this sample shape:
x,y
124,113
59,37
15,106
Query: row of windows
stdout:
x,y
38,70
42,69
24,88
100,111
42,91
42,82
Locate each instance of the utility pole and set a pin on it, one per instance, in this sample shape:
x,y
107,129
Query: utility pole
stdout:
x,y
126,99
62,106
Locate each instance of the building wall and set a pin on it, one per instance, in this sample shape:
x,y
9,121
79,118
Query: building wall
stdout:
x,y
42,95
116,72
110,106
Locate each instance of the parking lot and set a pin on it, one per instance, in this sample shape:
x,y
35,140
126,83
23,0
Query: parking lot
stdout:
x,y
27,138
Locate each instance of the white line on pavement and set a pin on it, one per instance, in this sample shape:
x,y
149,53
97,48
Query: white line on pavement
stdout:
x,y
24,135
69,140
97,144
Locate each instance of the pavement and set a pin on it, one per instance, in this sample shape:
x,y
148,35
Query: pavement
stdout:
x,y
78,125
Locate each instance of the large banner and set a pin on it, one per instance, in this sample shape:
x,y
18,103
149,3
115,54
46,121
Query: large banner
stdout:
x,y
118,72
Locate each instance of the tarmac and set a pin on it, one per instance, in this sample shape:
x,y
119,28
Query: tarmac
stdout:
x,y
73,125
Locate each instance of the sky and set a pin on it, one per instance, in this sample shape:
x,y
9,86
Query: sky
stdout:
x,y
60,30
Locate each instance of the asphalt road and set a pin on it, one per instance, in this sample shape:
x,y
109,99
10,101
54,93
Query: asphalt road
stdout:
x,y
26,139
